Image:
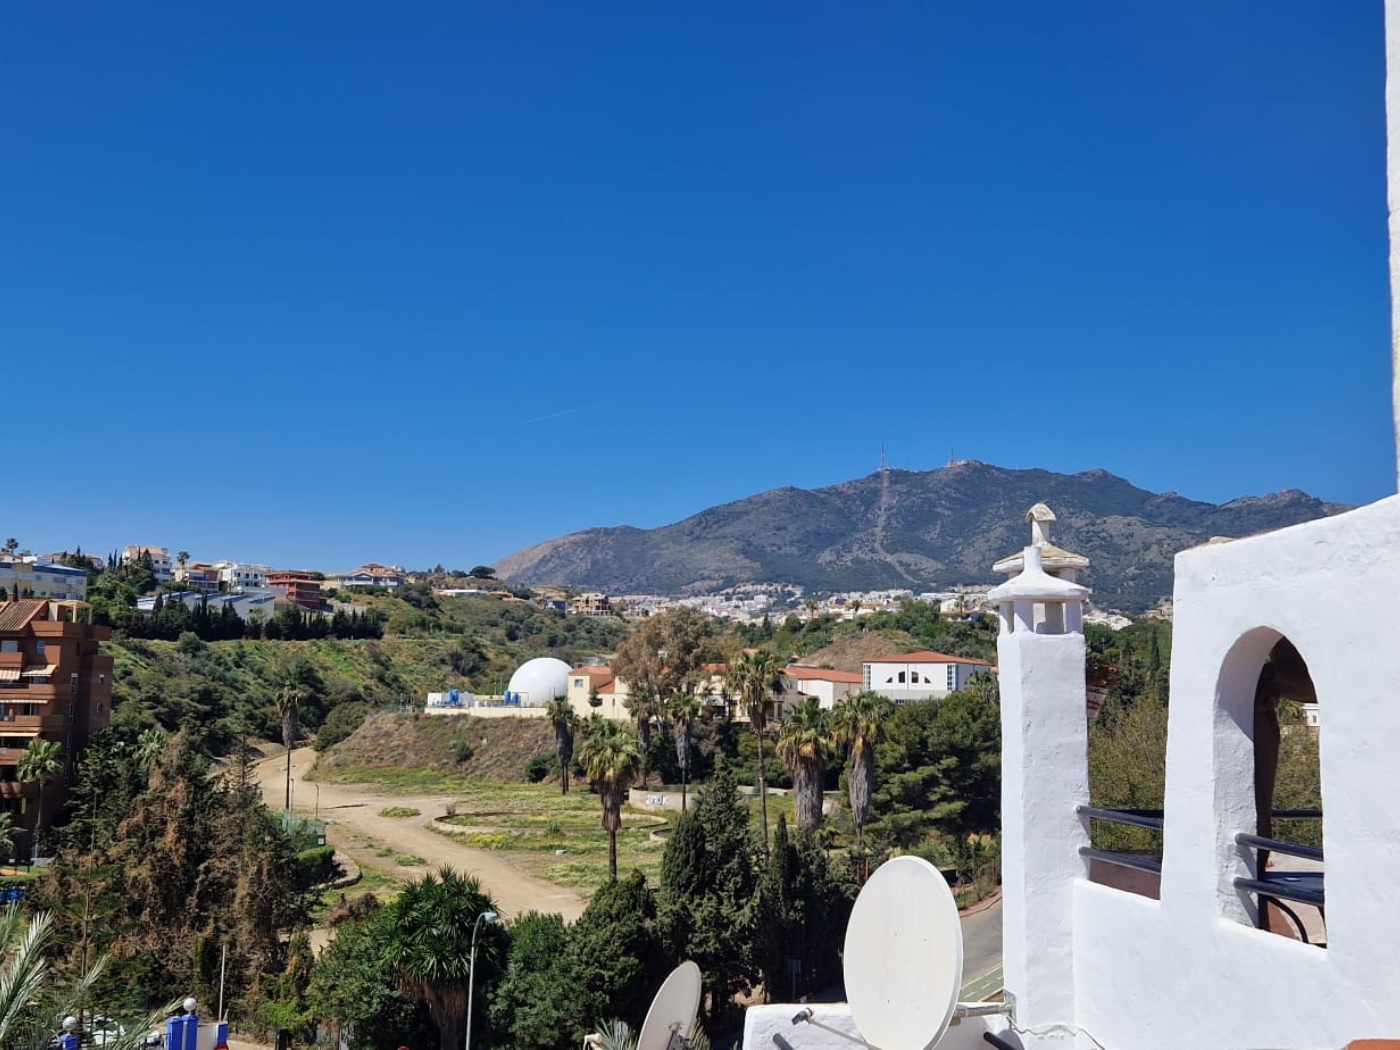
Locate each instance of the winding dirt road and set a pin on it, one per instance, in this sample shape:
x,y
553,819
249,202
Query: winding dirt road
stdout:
x,y
354,826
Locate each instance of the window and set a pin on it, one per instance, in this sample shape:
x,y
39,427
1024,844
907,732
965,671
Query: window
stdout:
x,y
9,645
901,677
40,647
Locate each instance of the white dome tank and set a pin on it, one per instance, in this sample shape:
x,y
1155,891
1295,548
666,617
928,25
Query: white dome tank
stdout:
x,y
537,682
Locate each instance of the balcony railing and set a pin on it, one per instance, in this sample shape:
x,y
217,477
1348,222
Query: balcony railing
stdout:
x,y
1274,887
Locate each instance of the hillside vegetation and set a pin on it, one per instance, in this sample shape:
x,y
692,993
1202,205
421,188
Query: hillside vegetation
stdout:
x,y
223,689
390,747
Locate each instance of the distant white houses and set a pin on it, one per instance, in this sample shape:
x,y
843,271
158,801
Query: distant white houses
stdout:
x,y
371,574
37,579
242,576
923,675
160,559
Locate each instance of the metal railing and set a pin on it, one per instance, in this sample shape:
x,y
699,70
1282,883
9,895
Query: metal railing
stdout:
x,y
1151,819
1303,887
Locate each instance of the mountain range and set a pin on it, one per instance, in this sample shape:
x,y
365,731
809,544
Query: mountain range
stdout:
x,y
922,530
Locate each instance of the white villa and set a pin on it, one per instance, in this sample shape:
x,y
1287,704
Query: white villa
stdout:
x,y
923,675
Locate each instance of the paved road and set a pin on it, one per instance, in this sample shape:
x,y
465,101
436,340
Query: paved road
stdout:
x,y
981,942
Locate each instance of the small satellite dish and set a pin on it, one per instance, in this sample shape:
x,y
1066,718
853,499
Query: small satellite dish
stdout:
x,y
904,956
672,1011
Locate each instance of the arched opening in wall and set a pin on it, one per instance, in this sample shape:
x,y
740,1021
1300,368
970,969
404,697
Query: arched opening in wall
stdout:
x,y
1281,718
1126,705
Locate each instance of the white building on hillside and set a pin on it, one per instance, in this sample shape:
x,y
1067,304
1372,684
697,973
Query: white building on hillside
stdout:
x,y
36,579
160,559
924,675
828,687
242,576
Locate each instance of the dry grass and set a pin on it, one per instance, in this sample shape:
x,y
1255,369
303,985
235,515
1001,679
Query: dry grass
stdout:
x,y
452,747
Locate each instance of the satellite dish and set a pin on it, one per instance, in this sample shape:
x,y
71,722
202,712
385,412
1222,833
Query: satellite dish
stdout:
x,y
904,956
673,1010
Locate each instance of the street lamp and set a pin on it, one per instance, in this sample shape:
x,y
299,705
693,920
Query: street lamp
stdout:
x,y
487,916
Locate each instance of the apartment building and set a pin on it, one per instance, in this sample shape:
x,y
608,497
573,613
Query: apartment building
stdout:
x,y
160,560
55,684
36,579
242,576
303,588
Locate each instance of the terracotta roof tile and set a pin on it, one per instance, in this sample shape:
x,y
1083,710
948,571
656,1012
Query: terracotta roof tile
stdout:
x,y
15,616
824,674
926,656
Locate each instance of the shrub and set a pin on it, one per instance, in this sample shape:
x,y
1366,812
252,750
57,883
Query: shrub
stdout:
x,y
461,751
315,866
539,767
400,811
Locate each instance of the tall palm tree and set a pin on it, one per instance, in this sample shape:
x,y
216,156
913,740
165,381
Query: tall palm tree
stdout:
x,y
41,762
434,918
684,711
610,760
561,715
289,700
858,723
804,744
756,677
7,836
644,708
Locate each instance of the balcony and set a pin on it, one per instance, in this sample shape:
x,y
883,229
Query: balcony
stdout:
x,y
1291,903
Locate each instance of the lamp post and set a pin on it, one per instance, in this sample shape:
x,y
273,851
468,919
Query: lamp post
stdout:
x,y
487,916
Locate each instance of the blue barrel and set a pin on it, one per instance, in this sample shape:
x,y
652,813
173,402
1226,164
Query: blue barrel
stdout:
x,y
191,1033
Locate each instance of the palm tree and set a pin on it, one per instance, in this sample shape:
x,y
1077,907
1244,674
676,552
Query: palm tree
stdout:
x,y
289,700
804,744
434,918
858,722
34,1000
644,708
684,711
7,836
756,676
42,761
561,715
610,760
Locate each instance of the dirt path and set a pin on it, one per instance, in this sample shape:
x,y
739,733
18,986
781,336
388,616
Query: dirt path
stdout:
x,y
351,813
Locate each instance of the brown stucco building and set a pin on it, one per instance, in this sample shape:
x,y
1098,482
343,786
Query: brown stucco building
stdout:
x,y
54,685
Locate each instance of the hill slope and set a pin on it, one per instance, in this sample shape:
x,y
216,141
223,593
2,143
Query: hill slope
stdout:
x,y
915,529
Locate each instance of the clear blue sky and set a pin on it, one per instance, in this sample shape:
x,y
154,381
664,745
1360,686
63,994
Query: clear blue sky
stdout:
x,y
320,284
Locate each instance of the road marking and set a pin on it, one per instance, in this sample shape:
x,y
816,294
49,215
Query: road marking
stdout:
x,y
979,989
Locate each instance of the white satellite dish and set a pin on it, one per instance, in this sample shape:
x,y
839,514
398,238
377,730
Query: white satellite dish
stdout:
x,y
673,1010
904,956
